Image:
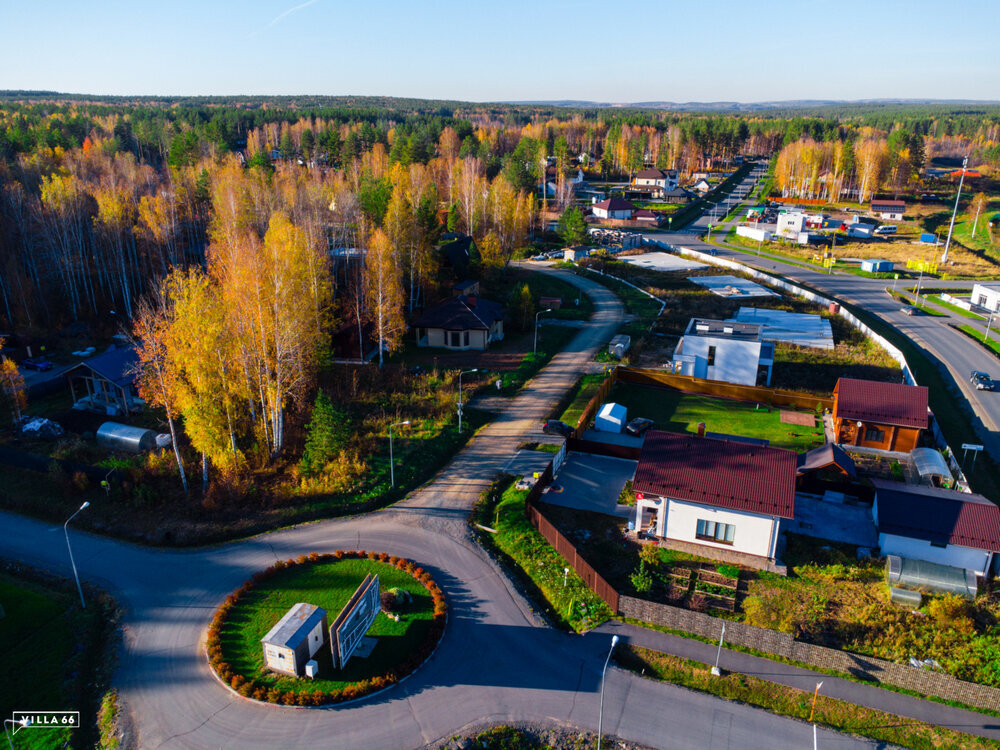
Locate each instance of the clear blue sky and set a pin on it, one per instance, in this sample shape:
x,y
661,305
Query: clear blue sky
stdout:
x,y
696,50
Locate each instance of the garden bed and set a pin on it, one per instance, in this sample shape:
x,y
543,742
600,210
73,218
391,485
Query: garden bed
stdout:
x,y
327,581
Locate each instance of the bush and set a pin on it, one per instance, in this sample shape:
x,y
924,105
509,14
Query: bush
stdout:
x,y
642,581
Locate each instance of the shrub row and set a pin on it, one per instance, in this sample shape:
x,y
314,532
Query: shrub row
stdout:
x,y
250,688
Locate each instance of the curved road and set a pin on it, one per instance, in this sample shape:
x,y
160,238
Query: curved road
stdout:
x,y
496,663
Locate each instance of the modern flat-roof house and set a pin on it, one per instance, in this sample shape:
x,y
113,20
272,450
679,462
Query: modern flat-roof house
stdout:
x,y
460,323
940,526
724,350
791,224
889,210
295,639
986,295
106,383
614,208
719,498
887,416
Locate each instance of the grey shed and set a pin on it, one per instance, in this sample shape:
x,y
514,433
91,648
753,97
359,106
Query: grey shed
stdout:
x,y
295,639
123,437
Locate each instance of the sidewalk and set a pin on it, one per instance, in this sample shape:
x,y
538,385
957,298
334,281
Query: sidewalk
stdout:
x,y
961,720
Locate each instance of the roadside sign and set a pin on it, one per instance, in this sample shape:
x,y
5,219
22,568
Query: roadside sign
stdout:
x,y
971,447
354,620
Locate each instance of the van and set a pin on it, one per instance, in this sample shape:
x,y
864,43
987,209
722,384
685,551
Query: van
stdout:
x,y
885,229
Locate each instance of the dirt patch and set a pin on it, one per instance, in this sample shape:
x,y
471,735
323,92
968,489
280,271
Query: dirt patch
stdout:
x,y
797,417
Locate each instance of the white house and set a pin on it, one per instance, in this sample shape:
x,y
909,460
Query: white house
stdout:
x,y
656,181
295,639
791,224
986,295
753,233
462,322
724,350
701,186
888,210
959,529
614,208
719,498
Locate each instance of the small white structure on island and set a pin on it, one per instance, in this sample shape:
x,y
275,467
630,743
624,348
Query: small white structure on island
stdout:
x,y
295,639
611,418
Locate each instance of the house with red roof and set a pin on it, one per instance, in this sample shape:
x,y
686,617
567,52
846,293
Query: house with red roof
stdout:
x,y
716,497
946,527
889,210
886,416
614,208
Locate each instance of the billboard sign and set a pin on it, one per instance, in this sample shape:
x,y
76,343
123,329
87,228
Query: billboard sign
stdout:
x,y
354,620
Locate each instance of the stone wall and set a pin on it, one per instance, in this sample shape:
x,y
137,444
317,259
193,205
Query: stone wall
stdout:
x,y
866,668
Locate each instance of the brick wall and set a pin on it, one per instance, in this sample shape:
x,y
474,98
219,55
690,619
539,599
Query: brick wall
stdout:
x,y
780,644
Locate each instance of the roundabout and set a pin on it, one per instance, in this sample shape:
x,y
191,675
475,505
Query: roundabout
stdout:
x,y
402,634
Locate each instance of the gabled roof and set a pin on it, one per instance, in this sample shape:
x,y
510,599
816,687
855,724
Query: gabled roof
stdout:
x,y
887,205
116,365
656,174
937,516
615,204
720,473
824,457
457,314
882,403
295,625
677,192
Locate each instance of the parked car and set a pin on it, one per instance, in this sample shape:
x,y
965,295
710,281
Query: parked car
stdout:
x,y
982,381
37,363
555,427
638,426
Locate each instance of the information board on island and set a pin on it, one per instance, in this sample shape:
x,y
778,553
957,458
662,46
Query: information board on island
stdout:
x,y
354,620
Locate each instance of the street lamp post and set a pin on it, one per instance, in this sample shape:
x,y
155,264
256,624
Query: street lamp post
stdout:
x,y
23,723
534,349
947,244
464,372
392,465
989,323
600,718
718,654
72,562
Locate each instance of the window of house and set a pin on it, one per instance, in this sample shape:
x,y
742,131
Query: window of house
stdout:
x,y
711,356
941,545
874,435
715,532
456,338
466,338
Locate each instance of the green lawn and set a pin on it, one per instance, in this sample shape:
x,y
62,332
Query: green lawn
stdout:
x,y
327,585
584,390
955,308
681,412
51,651
786,701
541,568
992,344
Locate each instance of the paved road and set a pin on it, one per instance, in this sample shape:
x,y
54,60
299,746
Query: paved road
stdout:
x,y
497,661
954,353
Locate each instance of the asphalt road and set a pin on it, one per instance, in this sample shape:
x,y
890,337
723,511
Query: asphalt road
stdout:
x,y
497,662
954,353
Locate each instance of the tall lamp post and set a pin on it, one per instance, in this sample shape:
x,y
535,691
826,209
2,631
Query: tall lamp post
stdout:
x,y
464,372
22,723
600,718
947,244
71,561
534,349
392,464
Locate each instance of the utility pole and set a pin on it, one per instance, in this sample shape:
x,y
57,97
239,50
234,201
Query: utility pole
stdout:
x,y
961,180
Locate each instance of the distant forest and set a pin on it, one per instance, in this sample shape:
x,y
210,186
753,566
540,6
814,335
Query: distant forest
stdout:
x,y
102,197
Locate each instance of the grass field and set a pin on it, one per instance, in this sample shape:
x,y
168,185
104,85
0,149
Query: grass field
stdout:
x,y
540,567
327,585
681,412
52,650
786,701
584,390
992,344
955,308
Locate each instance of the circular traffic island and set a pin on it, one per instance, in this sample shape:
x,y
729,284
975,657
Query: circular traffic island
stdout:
x,y
355,640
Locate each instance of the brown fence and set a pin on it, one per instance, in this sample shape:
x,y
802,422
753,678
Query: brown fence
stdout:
x,y
564,547
590,410
689,384
781,644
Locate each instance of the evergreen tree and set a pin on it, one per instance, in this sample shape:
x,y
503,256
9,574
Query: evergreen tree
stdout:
x,y
328,432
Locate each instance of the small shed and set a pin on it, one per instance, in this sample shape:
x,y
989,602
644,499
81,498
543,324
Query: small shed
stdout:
x,y
611,418
123,437
928,577
575,253
618,345
874,265
295,639
932,467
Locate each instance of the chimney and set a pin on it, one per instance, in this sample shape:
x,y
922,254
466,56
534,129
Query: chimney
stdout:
x,y
470,300
701,429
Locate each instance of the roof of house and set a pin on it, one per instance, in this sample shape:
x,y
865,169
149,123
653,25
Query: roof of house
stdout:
x,y
461,313
720,473
882,403
656,174
937,516
677,192
643,213
887,205
120,366
824,457
726,328
295,625
615,204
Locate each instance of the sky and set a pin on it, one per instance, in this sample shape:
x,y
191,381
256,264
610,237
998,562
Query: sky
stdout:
x,y
518,50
